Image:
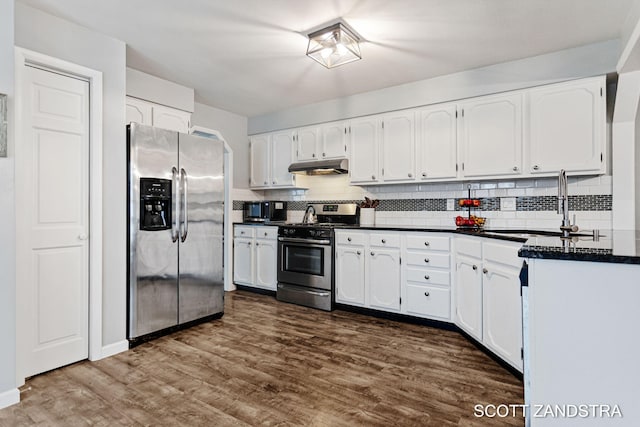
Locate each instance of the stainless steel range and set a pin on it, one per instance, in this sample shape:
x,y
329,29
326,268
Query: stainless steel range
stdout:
x,y
305,255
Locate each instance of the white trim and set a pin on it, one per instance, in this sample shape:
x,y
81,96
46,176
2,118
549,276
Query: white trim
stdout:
x,y
23,57
9,397
113,349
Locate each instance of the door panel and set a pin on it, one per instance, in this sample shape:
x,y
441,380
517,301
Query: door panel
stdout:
x,y
468,290
242,261
350,285
266,264
384,279
53,256
153,266
200,255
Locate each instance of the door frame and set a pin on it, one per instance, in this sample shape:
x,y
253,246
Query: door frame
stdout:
x,y
24,57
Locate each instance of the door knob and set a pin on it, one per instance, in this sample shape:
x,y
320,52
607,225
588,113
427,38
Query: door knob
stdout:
x,y
82,236
485,271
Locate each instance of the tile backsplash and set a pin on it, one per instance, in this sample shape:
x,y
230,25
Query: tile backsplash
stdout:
x,y
426,204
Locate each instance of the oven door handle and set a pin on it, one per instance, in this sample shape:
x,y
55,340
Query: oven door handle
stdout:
x,y
307,291
308,241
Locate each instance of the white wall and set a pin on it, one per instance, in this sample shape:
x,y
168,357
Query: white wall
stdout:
x,y
234,129
145,86
7,219
590,60
44,33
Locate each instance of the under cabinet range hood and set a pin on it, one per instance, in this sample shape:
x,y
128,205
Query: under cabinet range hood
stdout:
x,y
321,167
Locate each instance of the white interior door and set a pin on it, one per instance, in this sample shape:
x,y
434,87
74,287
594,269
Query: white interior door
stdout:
x,y
53,210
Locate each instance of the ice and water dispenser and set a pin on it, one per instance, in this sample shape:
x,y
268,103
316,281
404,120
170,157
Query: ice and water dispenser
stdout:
x,y
155,204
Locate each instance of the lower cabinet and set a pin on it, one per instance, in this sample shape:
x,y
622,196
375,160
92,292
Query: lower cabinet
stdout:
x,y
349,271
487,295
255,256
382,268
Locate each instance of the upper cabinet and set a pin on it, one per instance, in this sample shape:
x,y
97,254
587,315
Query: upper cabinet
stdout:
x,y
567,127
398,146
437,142
270,157
364,166
491,131
148,113
328,141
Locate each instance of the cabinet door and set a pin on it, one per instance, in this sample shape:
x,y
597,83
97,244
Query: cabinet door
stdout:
x,y
334,140
502,311
260,159
350,288
365,135
171,119
383,277
567,125
399,146
282,157
308,141
243,261
468,296
139,112
492,135
266,264
437,142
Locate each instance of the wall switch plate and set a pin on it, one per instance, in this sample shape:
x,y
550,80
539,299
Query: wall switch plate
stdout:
x,y
451,205
508,204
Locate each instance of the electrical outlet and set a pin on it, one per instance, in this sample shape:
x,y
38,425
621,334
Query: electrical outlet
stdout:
x,y
451,205
508,204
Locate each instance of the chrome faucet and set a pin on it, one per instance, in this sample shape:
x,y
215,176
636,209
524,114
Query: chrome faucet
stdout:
x,y
309,215
563,206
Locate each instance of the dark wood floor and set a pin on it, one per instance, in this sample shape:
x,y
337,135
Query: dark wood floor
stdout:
x,y
271,363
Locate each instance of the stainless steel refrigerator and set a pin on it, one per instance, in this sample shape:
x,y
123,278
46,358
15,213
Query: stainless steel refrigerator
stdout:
x,y
175,229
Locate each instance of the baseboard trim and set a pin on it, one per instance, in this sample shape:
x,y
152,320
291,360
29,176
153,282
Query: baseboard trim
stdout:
x,y
113,349
9,397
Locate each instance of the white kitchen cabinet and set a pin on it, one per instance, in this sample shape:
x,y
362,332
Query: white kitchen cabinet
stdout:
x,y
270,157
427,278
255,256
491,129
398,146
437,142
487,295
335,140
567,127
308,143
364,165
148,113
349,270
383,272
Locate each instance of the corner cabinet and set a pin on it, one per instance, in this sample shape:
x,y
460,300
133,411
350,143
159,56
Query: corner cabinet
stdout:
x,y
148,113
255,256
488,304
567,127
491,130
270,157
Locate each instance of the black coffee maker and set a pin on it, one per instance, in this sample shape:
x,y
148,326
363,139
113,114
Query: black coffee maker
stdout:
x,y
155,204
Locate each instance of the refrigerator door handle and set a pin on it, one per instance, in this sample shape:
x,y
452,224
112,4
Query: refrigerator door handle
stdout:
x,y
176,197
185,220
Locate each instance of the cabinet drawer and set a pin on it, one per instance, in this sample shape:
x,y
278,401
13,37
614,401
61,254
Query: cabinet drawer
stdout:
x,y
428,301
266,232
428,277
427,242
244,231
428,259
349,238
384,240
469,247
502,253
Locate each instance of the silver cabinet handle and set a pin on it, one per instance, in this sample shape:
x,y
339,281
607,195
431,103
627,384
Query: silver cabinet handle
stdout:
x,y
384,241
426,260
265,233
313,155
410,175
324,155
265,183
372,254
426,294
373,177
357,252
424,174
176,213
515,169
348,239
242,232
426,243
248,243
185,202
275,182
485,271
536,167
475,267
257,243
426,277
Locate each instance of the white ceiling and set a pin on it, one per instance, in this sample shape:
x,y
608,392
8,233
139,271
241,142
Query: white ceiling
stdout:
x,y
248,56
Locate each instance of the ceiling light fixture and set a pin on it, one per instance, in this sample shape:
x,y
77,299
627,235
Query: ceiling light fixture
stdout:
x,y
334,45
